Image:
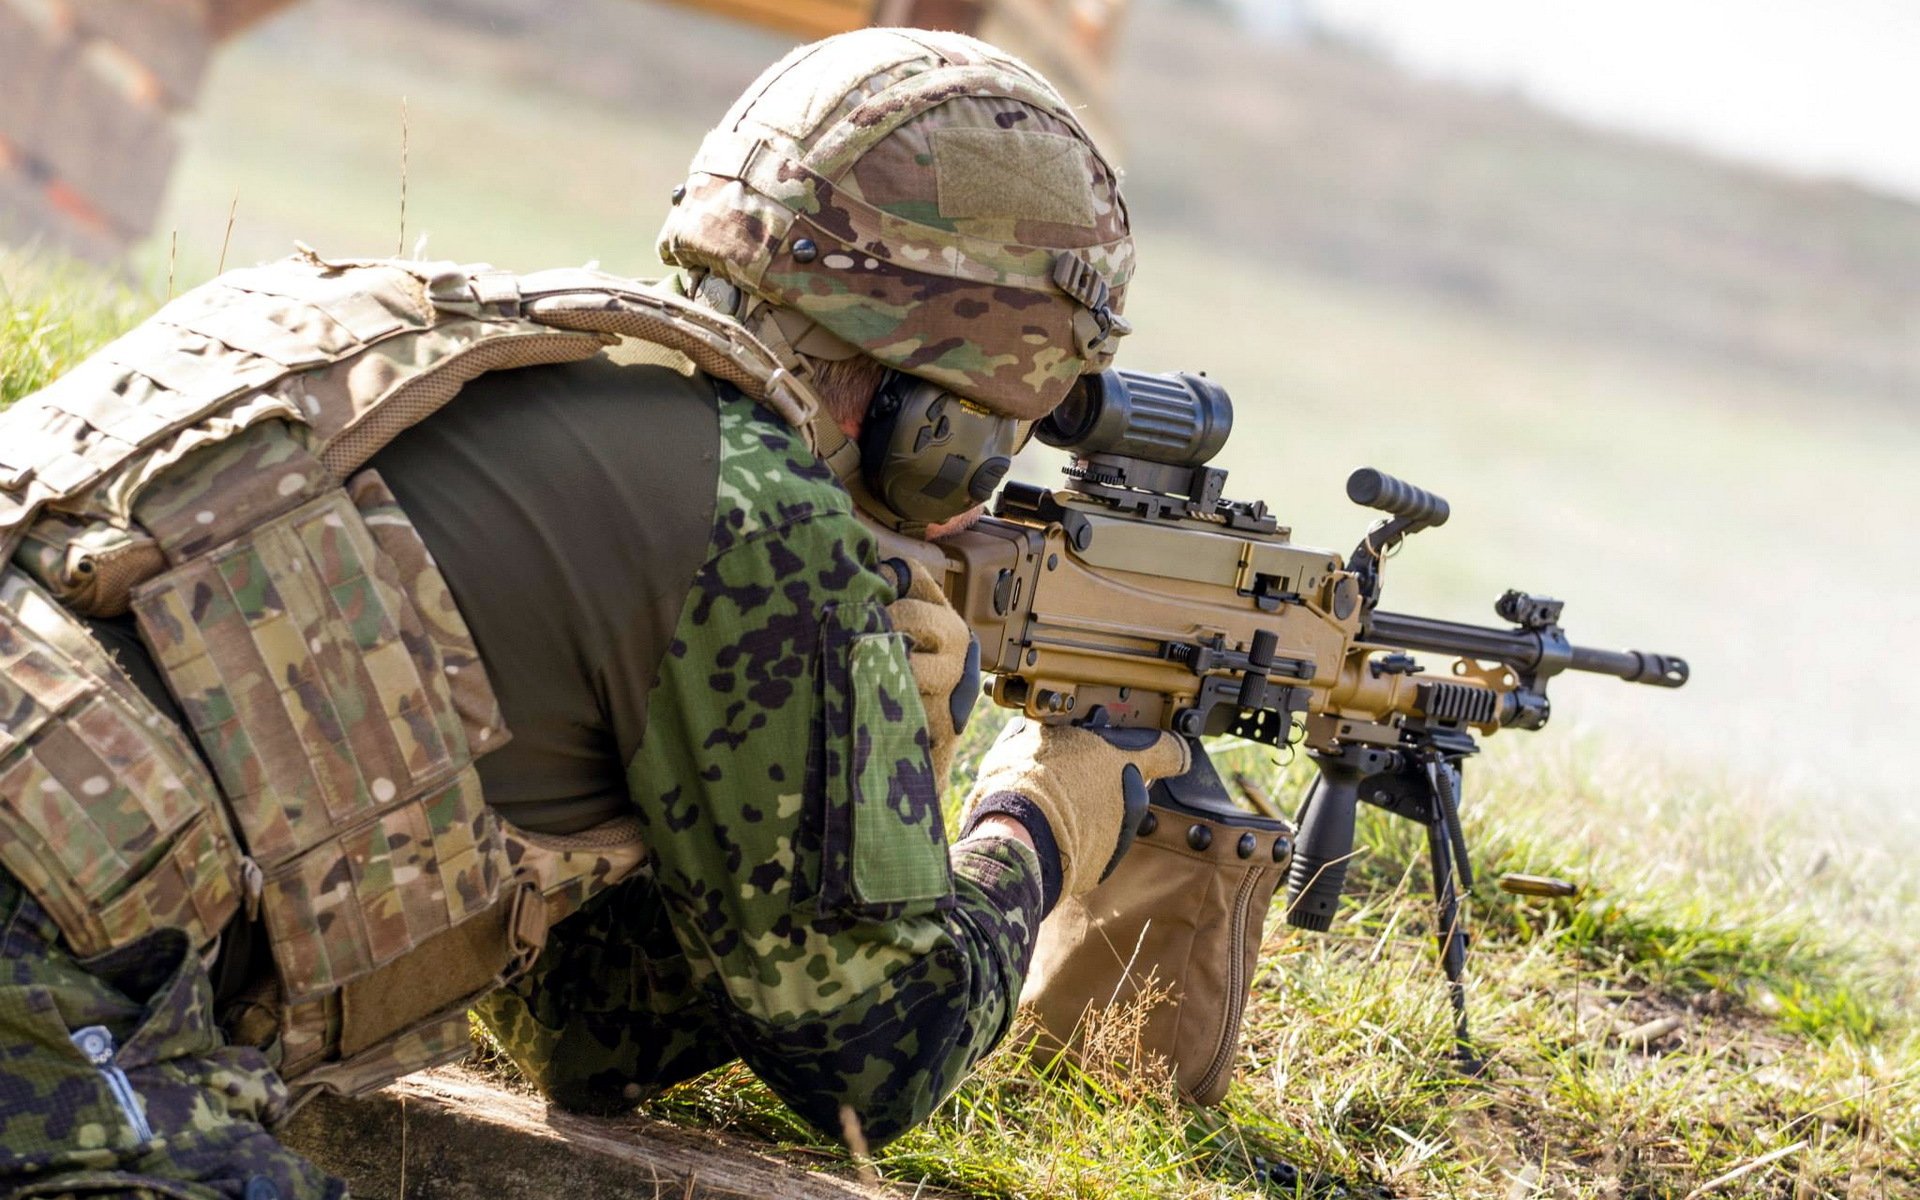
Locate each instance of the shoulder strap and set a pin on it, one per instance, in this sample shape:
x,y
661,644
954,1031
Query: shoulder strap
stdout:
x,y
717,344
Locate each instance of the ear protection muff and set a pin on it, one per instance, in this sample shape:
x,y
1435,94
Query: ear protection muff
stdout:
x,y
928,455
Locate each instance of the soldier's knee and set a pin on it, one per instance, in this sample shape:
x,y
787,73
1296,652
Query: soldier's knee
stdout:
x,y
872,1100
878,1117
186,1114
605,1059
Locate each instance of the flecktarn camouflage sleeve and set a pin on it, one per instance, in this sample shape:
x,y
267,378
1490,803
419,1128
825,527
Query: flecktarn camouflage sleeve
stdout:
x,y
795,821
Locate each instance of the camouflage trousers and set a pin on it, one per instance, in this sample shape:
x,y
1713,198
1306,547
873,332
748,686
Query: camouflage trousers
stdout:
x,y
618,1008
610,1013
115,1081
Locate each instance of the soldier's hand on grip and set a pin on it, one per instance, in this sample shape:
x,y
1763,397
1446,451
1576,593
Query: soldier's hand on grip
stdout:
x,y
945,660
1081,781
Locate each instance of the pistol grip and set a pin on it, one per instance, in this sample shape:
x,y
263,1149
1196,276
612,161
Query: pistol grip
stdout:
x,y
1322,849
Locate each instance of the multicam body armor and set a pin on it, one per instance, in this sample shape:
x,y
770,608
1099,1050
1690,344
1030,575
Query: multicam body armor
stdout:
x,y
204,473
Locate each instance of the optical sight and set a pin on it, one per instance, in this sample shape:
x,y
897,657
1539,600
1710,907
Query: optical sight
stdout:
x,y
1177,419
1141,443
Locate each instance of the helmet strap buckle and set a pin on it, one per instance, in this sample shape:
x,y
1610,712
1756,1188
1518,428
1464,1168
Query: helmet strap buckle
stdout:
x,y
1082,281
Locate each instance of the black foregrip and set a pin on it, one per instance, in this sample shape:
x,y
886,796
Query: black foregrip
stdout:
x,y
1377,489
1321,849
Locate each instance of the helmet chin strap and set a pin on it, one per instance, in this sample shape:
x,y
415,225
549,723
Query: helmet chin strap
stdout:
x,y
781,330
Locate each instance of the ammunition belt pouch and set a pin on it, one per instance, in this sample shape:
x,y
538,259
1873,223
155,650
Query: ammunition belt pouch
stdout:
x,y
106,813
1175,930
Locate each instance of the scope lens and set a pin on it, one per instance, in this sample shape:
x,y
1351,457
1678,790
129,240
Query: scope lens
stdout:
x,y
1074,418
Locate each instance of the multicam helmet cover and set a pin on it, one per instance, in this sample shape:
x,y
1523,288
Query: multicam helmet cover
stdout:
x,y
926,198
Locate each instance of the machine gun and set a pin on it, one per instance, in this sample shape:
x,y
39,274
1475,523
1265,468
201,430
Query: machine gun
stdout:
x,y
1140,596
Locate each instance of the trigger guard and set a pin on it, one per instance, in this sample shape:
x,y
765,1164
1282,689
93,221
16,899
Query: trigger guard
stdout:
x,y
1132,738
966,693
1133,810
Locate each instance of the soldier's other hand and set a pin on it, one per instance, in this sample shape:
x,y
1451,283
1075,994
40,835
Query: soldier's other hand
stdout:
x,y
946,663
1090,788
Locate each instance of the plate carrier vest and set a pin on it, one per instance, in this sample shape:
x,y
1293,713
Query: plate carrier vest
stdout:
x,y
204,472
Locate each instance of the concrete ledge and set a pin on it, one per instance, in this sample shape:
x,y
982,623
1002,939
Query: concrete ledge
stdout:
x,y
448,1134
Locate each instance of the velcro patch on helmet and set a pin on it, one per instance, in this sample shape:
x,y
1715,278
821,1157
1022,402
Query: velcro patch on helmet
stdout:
x,y
1023,174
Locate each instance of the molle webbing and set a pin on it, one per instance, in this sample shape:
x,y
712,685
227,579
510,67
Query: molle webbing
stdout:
x,y
341,703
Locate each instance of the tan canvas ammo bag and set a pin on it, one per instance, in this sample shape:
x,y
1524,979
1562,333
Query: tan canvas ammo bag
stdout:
x,y
1175,930
205,473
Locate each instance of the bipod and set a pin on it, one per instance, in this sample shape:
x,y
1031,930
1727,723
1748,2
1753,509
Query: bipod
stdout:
x,y
1452,874
1426,789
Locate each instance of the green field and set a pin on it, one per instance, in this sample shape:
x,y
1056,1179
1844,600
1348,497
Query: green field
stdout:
x,y
1745,843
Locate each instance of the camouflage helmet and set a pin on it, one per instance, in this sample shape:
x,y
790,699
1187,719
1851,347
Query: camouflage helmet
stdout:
x,y
927,200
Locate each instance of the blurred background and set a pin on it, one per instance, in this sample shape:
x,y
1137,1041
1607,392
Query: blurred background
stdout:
x,y
1636,286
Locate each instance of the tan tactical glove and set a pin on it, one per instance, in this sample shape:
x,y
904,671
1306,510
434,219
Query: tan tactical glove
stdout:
x,y
1090,786
945,661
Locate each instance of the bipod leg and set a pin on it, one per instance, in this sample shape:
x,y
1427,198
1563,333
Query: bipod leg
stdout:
x,y
1446,852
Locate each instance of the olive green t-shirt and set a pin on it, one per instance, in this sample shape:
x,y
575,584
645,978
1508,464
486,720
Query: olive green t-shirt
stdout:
x,y
568,507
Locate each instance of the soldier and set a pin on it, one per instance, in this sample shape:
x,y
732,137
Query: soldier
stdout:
x,y
629,604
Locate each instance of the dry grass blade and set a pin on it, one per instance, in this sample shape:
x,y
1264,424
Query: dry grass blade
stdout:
x,y
1645,1034
400,242
855,1137
1746,1169
226,239
1258,796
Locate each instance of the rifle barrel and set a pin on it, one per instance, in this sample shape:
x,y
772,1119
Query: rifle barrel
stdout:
x,y
1522,649
1634,666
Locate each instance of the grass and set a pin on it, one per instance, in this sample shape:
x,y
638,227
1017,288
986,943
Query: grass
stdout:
x,y
1771,1028
1665,1031
52,314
